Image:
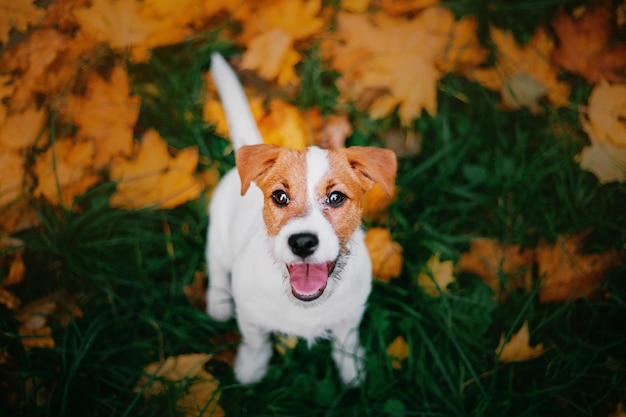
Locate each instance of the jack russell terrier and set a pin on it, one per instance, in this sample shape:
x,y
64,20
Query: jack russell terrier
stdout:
x,y
285,247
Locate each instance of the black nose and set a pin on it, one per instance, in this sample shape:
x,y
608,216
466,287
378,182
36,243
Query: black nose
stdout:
x,y
303,244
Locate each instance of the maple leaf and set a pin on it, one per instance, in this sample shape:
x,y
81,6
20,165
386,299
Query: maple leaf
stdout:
x,y
18,14
12,166
284,125
202,394
385,254
398,351
375,203
569,273
153,178
106,115
436,277
333,132
65,171
489,259
273,56
605,120
393,55
518,347
22,129
520,68
606,161
583,44
60,14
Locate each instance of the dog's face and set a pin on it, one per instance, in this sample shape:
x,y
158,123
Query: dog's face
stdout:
x,y
312,206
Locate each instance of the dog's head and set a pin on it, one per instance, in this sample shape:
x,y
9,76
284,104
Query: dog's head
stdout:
x,y
312,204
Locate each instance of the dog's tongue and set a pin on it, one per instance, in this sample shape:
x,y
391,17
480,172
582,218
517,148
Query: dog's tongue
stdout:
x,y
308,279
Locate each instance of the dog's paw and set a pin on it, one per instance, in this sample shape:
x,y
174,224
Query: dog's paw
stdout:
x,y
251,365
219,305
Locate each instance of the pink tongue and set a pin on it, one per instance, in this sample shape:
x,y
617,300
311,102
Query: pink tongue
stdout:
x,y
308,278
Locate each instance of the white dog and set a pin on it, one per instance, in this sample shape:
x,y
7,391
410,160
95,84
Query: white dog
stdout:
x,y
285,247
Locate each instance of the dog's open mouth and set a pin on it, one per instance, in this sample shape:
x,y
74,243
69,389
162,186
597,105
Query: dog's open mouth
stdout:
x,y
308,281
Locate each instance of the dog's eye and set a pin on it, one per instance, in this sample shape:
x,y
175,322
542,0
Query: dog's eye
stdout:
x,y
280,197
335,199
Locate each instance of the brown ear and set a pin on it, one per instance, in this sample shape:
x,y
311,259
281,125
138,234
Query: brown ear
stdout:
x,y
376,165
252,161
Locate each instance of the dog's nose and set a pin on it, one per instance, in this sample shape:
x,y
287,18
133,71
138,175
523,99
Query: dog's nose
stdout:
x,y
303,244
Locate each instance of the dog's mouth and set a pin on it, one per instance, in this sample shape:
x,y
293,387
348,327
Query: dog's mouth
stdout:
x,y
308,281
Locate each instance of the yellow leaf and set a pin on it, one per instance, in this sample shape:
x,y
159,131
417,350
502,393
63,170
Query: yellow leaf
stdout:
x,y
385,254
375,203
18,14
285,343
154,178
356,6
12,178
437,276
202,394
21,130
284,125
606,161
405,6
518,347
106,114
272,55
16,270
607,112
398,351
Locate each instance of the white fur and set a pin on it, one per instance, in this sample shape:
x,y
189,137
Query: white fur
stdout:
x,y
247,265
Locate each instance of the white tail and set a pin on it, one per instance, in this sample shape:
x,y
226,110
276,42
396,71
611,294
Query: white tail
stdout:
x,y
241,124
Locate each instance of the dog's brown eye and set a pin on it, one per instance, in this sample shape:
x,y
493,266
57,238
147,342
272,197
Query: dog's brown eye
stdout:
x,y
280,197
335,199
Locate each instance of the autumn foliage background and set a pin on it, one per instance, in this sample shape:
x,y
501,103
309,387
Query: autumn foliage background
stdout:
x,y
499,264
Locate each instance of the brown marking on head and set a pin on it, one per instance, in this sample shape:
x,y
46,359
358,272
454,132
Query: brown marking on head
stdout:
x,y
274,169
352,172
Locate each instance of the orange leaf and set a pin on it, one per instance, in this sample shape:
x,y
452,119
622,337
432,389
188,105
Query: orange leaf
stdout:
x,y
568,273
405,6
11,181
375,203
154,178
489,259
398,351
65,171
437,276
106,114
518,347
18,14
272,55
21,130
284,125
202,394
9,300
386,255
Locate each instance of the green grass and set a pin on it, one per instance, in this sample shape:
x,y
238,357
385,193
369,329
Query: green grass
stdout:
x,y
481,172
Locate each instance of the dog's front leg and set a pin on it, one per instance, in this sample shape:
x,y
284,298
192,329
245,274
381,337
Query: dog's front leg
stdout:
x,y
254,353
348,354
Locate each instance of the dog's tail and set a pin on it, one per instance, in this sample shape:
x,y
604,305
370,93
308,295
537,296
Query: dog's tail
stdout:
x,y
241,124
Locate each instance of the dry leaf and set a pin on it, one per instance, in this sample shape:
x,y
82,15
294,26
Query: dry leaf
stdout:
x,y
375,204
284,125
386,255
355,6
272,55
17,14
522,73
22,129
568,273
437,276
202,395
9,300
606,161
489,259
584,44
619,411
405,6
106,114
65,171
16,270
11,182
334,132
285,343
518,348
398,351
605,120
154,178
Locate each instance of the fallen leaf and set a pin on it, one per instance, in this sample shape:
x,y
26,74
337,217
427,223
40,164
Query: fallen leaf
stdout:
x,y
463,50
196,291
398,351
65,171
518,348
272,55
405,6
284,125
202,394
356,6
619,411
607,162
584,44
436,276
519,68
60,14
106,114
375,204
11,183
334,132
385,254
9,300
605,119
22,129
154,178
567,272
285,343
498,264
17,14
16,270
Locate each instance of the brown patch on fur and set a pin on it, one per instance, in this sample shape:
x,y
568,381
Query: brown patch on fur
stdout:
x,y
272,169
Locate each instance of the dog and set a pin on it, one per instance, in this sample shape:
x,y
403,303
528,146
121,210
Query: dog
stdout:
x,y
286,250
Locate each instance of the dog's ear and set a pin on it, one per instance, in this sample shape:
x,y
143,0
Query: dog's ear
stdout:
x,y
374,165
252,161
